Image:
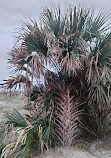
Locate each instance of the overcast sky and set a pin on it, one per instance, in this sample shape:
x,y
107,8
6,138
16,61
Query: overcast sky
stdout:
x,y
14,13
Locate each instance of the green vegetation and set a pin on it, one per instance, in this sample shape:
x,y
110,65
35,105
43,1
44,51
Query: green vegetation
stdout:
x,y
2,146
64,67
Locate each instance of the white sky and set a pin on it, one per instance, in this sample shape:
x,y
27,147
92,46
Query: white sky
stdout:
x,y
14,12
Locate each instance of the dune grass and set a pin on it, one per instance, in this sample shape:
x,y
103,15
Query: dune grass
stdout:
x,y
9,103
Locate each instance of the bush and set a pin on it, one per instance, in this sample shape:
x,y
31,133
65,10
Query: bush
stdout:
x,y
64,67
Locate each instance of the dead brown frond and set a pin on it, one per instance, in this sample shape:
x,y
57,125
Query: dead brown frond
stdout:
x,y
69,66
14,81
37,65
7,151
18,56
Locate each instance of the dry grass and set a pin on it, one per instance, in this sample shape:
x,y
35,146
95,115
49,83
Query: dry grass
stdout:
x,y
81,149
7,103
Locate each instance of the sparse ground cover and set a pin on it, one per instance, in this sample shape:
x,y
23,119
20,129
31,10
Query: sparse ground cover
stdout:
x,y
9,103
75,152
81,149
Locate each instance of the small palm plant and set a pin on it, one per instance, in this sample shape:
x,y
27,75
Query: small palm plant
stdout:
x,y
64,66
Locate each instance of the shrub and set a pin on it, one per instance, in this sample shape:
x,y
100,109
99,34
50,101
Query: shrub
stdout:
x,y
64,66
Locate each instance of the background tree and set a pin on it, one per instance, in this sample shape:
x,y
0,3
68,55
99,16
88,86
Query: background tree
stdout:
x,y
64,66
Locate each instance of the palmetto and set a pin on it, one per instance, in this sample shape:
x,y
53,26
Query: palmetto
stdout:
x,y
64,65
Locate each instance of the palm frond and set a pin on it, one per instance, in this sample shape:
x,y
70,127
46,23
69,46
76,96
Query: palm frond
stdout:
x,y
105,55
16,119
21,147
14,81
37,65
76,20
69,66
54,20
34,39
18,56
94,25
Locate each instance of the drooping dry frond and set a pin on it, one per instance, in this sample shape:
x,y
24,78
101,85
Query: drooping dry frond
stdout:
x,y
37,64
7,151
18,56
14,149
70,67
14,81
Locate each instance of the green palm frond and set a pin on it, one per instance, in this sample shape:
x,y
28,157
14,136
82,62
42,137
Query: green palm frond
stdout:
x,y
104,40
16,119
105,56
55,21
95,25
76,20
104,49
21,151
34,38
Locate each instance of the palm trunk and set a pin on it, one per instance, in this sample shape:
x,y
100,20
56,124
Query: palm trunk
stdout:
x,y
67,117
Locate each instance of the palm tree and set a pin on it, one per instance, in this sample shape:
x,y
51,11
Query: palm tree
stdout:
x,y
64,66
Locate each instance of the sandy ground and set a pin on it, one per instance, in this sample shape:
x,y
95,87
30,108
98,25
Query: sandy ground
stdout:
x,y
67,152
75,152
